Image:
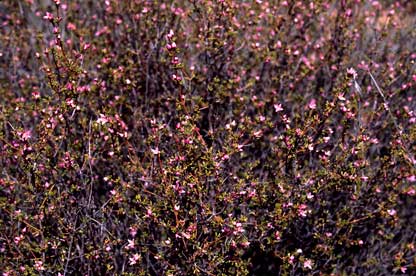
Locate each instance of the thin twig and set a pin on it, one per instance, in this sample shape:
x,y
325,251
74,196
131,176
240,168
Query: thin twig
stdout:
x,y
408,156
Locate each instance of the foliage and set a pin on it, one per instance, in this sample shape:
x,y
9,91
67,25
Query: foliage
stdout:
x,y
207,137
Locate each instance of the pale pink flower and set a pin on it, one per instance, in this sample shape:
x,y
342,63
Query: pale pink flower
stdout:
x,y
258,133
48,16
133,260
352,72
307,264
391,212
102,120
277,235
341,97
411,192
170,34
155,151
130,244
36,94
303,210
312,104
245,244
411,178
26,135
71,26
17,239
133,231
39,266
278,107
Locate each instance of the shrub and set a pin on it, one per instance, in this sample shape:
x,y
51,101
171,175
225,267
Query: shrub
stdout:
x,y
207,137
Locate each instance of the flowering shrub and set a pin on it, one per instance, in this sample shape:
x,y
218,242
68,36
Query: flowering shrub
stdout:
x,y
207,137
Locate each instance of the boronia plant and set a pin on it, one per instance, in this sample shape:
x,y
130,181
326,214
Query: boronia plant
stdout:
x,y
210,137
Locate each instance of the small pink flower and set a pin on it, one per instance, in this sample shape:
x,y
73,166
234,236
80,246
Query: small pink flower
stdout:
x,y
391,212
258,133
176,78
17,239
133,231
26,135
411,192
130,244
352,72
277,235
149,212
48,16
103,119
155,151
133,260
39,266
86,46
303,210
312,104
411,178
245,244
171,46
341,97
307,264
170,34
71,26
278,107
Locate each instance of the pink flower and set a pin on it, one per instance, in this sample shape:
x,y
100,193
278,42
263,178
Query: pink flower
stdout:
x,y
103,119
39,265
36,94
303,210
312,104
245,244
71,26
133,260
26,135
277,235
171,46
278,107
130,244
176,78
411,178
133,231
48,16
351,71
307,264
170,34
17,239
411,192
155,151
391,212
